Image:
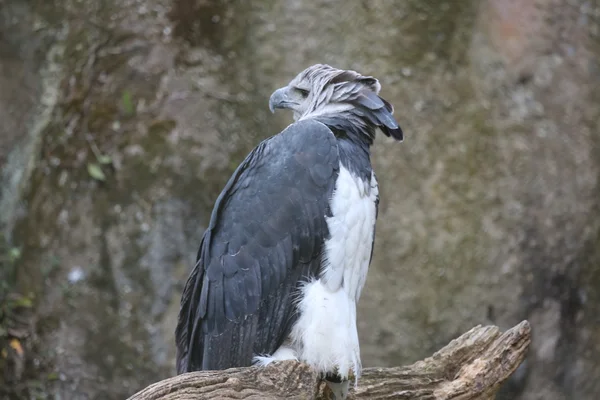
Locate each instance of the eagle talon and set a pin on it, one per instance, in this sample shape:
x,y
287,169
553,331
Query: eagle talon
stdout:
x,y
339,389
333,377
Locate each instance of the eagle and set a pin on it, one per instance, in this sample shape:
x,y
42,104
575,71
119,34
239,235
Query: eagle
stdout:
x,y
283,261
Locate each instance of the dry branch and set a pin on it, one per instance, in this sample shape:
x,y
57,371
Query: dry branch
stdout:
x,y
470,367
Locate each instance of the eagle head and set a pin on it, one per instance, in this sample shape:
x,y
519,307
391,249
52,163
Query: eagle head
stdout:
x,y
339,98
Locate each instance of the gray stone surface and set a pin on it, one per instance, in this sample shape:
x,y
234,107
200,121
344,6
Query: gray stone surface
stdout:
x,y
489,209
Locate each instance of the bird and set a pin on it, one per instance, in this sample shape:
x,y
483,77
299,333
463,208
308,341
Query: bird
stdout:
x,y
281,266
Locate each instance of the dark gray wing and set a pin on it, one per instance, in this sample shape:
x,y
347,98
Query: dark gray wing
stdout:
x,y
265,235
379,112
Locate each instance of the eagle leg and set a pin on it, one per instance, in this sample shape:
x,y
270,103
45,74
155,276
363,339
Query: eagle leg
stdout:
x,y
339,388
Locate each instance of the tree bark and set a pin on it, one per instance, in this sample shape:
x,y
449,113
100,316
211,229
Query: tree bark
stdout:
x,y
470,367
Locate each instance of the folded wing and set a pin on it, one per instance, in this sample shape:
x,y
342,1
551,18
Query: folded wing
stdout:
x,y
265,236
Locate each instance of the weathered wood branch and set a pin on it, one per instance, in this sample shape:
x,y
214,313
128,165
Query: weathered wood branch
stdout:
x,y
470,367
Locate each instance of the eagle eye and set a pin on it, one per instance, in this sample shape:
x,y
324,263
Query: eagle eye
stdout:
x,y
303,92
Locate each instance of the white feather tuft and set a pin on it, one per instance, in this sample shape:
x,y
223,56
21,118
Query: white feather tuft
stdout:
x,y
325,333
283,353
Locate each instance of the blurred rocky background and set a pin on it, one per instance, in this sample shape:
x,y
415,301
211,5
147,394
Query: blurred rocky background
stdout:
x,y
120,122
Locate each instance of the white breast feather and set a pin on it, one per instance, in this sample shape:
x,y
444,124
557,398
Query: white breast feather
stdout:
x,y
325,333
347,252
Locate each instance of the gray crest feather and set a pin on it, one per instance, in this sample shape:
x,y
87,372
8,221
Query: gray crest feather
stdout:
x,y
349,93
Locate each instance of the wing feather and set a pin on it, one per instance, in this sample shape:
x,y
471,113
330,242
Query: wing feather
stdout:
x,y
265,236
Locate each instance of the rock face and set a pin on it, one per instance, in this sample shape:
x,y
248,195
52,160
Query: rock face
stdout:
x,y
121,121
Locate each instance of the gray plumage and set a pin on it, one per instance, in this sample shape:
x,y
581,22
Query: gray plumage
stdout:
x,y
359,108
268,226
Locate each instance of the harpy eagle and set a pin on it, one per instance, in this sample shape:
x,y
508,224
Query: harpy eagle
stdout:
x,y
283,261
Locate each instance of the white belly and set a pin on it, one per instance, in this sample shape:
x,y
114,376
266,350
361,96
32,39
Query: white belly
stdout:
x,y
325,334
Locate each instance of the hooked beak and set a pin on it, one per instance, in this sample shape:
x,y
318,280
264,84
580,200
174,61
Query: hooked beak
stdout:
x,y
279,99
